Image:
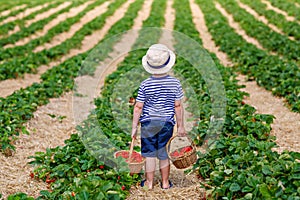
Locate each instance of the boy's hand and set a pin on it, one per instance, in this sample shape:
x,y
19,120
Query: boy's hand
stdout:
x,y
134,133
181,131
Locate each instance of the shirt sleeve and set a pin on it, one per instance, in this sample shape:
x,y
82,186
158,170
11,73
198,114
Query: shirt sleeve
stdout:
x,y
179,93
141,94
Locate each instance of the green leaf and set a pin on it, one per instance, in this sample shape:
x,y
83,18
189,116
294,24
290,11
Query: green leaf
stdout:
x,y
247,189
248,196
228,171
234,187
263,188
266,169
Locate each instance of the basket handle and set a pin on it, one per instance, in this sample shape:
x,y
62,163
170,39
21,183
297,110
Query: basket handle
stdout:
x,y
131,148
173,137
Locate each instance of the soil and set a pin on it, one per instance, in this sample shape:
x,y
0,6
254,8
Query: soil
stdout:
x,y
24,13
7,12
89,16
262,19
37,18
285,14
60,18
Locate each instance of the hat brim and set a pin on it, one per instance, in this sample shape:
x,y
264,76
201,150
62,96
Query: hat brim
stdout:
x,y
161,70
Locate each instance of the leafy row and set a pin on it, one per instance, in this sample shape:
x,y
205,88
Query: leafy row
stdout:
x,y
5,28
99,136
29,64
269,39
241,163
17,108
21,51
280,77
291,28
288,7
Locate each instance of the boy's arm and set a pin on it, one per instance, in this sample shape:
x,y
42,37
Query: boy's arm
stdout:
x,y
137,111
179,118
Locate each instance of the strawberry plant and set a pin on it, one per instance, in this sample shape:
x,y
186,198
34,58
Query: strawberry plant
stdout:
x,y
271,72
269,39
291,28
288,6
241,163
20,51
18,66
54,83
21,22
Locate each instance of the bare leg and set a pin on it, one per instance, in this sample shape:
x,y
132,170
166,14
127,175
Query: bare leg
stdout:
x,y
164,166
150,171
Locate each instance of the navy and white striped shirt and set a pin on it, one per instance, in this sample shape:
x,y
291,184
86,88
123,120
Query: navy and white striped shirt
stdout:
x,y
158,95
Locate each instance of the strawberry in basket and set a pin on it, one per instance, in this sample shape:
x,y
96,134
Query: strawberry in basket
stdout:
x,y
180,152
135,157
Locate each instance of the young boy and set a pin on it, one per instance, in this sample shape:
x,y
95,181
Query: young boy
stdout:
x,y
159,99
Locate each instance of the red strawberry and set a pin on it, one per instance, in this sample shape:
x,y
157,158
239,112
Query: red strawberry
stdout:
x,y
73,194
101,166
123,187
31,174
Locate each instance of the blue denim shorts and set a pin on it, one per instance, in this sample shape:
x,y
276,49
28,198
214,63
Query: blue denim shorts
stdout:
x,y
154,138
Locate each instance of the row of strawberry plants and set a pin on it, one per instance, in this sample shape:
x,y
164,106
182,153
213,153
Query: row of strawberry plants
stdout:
x,y
5,28
269,39
29,64
291,28
17,108
82,175
241,163
21,51
288,6
15,12
269,71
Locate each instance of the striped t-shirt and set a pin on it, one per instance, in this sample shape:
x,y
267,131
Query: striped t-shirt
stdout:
x,y
158,95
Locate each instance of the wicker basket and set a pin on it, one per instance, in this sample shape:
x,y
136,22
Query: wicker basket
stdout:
x,y
134,167
187,159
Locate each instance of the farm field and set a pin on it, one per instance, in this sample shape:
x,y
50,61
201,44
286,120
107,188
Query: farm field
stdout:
x,y
70,70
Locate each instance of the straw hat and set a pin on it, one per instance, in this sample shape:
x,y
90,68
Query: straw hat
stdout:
x,y
158,59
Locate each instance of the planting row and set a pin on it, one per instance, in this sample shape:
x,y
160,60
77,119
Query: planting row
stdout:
x,y
269,71
269,39
288,6
240,163
74,170
18,108
29,64
5,28
291,28
22,51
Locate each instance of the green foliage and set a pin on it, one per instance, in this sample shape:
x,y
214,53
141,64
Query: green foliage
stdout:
x,y
18,108
291,28
271,72
241,163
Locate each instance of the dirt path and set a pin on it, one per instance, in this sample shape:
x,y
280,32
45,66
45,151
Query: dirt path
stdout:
x,y
185,186
286,130
88,17
237,27
263,19
285,14
24,14
60,18
38,18
208,43
7,87
7,12
14,176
